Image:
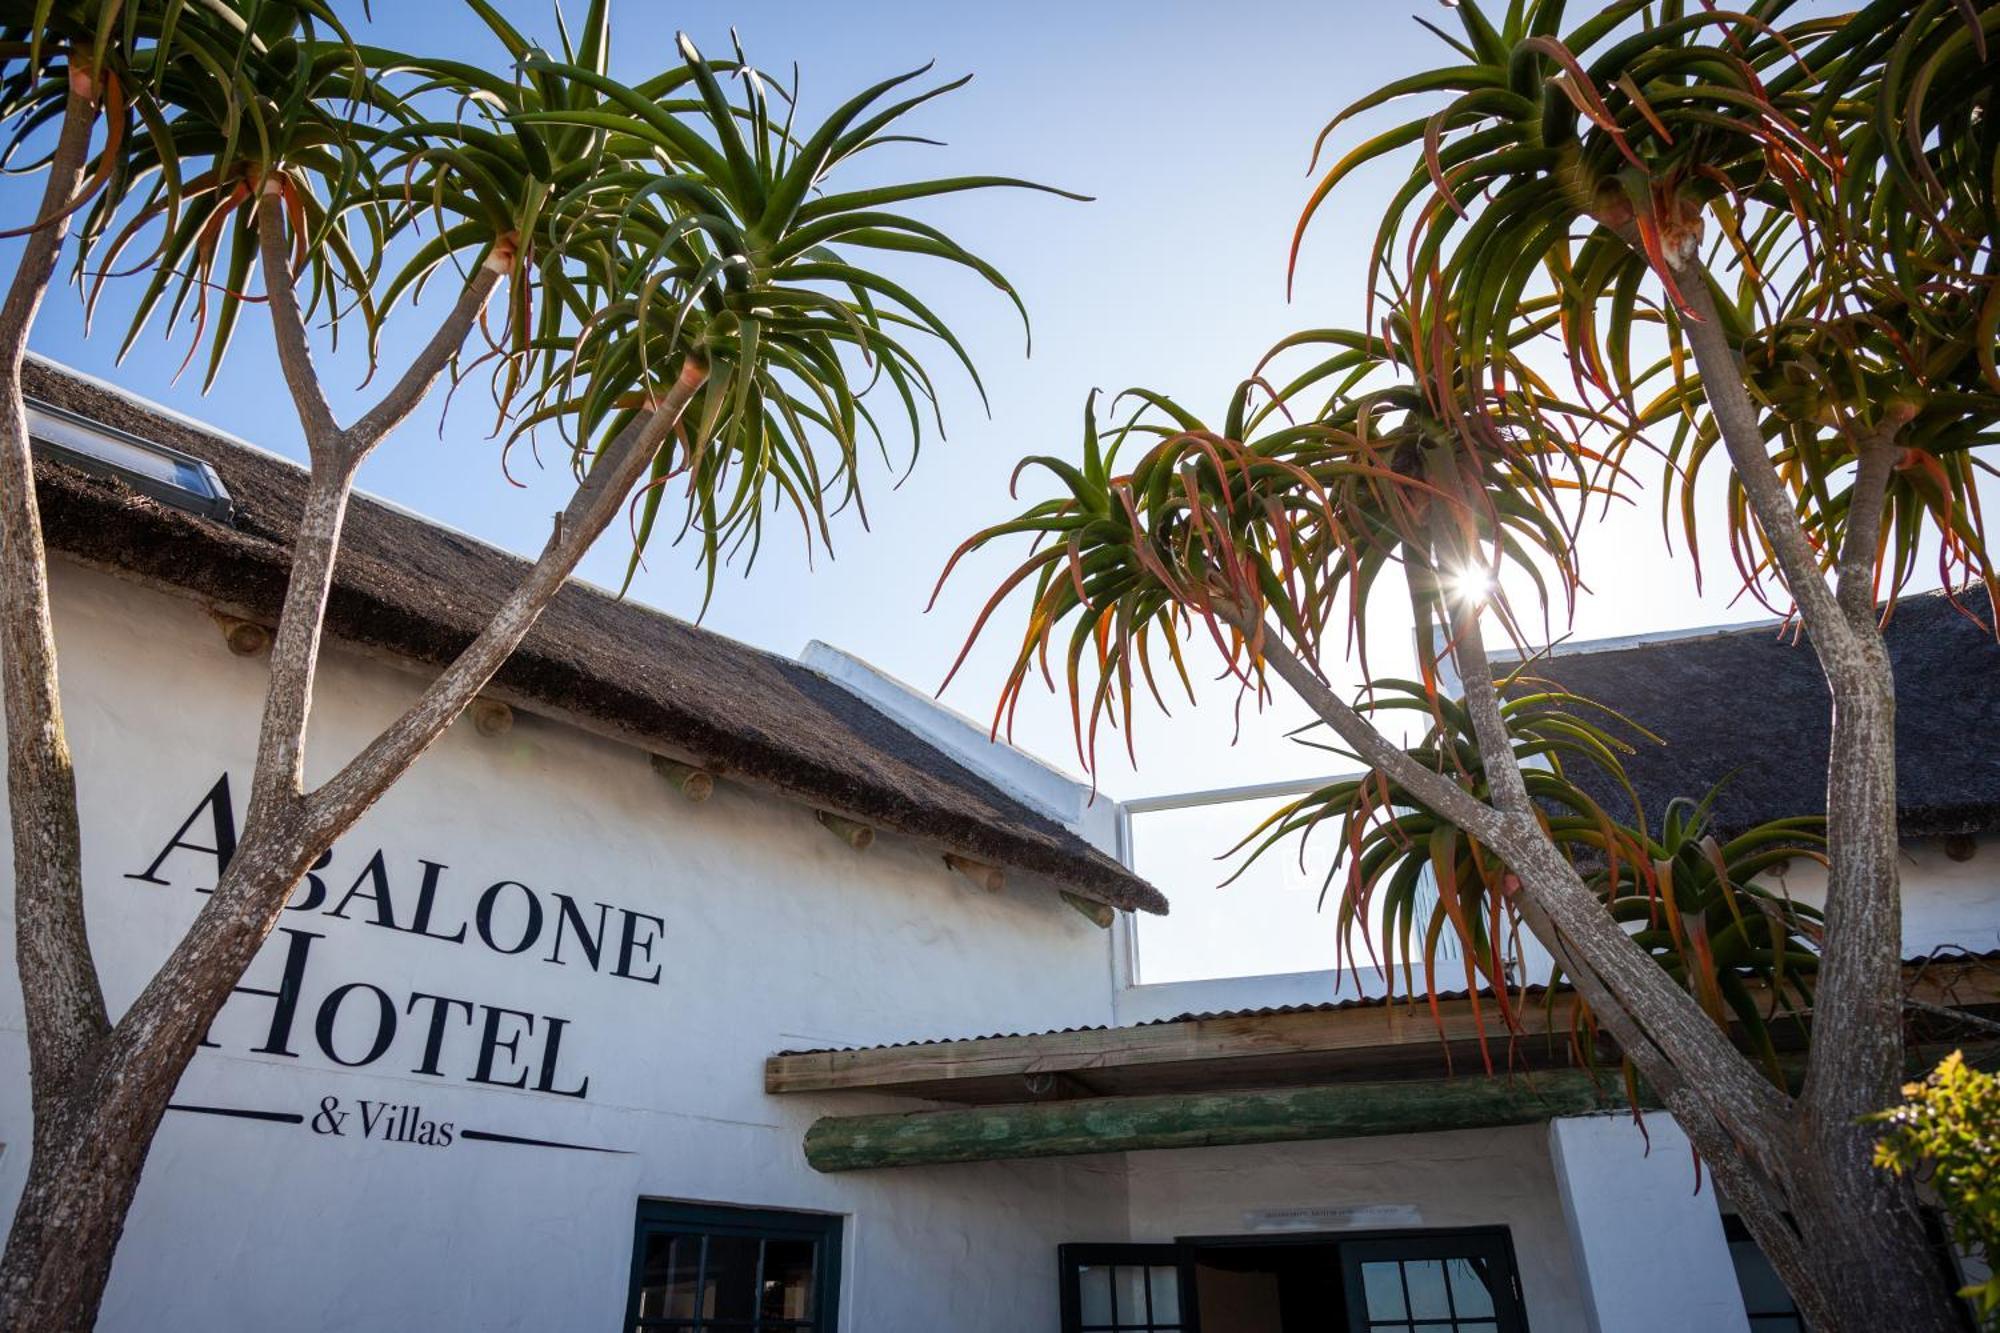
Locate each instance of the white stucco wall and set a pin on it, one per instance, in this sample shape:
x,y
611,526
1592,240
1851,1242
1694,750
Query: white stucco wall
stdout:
x,y
1648,1245
773,935
1495,1177
1947,904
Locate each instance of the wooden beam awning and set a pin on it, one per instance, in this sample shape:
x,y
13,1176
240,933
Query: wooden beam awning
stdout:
x,y
1334,1071
1262,1048
1204,1120
1247,1116
1190,1054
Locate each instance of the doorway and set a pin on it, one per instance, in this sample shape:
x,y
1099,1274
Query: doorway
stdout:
x,y
1457,1281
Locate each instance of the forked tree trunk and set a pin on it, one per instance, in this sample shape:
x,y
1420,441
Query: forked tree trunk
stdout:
x,y
1847,1239
95,1126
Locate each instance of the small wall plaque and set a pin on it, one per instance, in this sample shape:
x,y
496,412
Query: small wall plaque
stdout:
x,y
1359,1217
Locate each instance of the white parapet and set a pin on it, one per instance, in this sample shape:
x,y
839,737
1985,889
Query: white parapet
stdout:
x,y
1045,789
1649,1249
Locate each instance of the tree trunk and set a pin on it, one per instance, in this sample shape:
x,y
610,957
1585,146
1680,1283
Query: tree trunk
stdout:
x,y
1867,1259
1845,1238
73,1211
67,1225
1871,1264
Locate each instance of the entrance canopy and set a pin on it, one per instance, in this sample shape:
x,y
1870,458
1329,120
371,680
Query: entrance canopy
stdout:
x,y
1328,1071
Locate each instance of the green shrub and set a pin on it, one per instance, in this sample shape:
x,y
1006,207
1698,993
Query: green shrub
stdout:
x,y
1949,1128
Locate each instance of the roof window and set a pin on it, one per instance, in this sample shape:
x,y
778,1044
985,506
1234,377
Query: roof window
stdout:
x,y
165,474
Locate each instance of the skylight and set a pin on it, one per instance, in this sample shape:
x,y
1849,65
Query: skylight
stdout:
x,y
166,474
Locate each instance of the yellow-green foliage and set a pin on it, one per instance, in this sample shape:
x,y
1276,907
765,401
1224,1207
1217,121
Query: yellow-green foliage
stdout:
x,y
1949,1125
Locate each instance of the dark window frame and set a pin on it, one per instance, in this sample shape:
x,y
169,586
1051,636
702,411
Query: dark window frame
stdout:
x,y
1071,1259
824,1230
1510,1312
1736,1232
1351,1248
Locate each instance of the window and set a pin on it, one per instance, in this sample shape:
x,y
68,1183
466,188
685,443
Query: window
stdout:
x,y
168,475
1765,1299
699,1268
1459,1281
1770,1306
1430,1284
1126,1289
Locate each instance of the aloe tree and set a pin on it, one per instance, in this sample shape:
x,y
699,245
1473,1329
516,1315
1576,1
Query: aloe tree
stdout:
x,y
1764,243
665,275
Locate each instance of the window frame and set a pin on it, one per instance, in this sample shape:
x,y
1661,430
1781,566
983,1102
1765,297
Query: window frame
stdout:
x,y
824,1230
1350,1248
1071,1259
1509,1306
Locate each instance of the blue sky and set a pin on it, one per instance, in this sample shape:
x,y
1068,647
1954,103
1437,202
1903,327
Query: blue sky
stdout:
x,y
1191,125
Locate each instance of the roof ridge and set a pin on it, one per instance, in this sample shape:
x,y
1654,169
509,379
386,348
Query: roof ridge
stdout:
x,y
1621,643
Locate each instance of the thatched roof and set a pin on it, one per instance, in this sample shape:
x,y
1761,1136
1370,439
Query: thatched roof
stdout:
x,y
1751,705
421,592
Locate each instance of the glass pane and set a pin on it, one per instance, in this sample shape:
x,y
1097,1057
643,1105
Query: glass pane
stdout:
x,y
1384,1286
1763,1293
1129,1286
1484,1326
1433,1328
1094,1283
729,1284
1166,1286
1425,1279
1470,1295
788,1279
667,1282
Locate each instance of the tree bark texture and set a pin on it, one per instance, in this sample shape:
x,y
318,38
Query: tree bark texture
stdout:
x,y
61,998
1869,1259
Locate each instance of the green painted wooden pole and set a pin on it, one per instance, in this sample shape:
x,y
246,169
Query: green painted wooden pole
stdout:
x,y
1265,1115
1204,1119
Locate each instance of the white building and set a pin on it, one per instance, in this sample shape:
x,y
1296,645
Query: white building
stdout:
x,y
545,1044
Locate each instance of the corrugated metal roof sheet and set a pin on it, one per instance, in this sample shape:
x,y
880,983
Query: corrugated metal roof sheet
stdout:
x,y
1330,1006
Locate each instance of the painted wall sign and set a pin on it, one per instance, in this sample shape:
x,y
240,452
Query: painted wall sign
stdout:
x,y
358,1025
1362,1217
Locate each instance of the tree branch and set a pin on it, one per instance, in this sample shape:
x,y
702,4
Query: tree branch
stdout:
x,y
1971,1022
414,385
1856,1058
160,1030
60,992
336,455
1505,785
279,778
1736,418
598,499
288,324
1687,1039
1434,789
1875,464
1489,725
